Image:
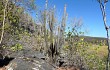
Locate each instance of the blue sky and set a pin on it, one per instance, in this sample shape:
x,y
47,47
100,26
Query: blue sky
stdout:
x,y
88,10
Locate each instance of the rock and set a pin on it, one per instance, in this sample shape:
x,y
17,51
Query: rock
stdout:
x,y
29,59
32,64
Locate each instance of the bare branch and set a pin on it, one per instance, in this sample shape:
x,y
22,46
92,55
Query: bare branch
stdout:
x,y
4,21
103,8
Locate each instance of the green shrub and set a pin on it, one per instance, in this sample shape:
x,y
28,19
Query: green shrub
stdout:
x,y
16,47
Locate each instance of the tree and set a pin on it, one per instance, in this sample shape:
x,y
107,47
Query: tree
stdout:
x,y
103,9
14,27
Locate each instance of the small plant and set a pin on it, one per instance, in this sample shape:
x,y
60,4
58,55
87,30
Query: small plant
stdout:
x,y
16,47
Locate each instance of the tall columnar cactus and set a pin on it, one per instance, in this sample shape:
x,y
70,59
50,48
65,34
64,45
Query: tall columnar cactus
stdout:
x,y
58,39
53,46
62,29
44,25
51,24
48,18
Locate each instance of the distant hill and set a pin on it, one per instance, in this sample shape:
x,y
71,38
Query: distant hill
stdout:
x,y
95,40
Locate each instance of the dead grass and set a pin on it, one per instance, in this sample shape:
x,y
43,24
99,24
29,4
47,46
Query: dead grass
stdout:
x,y
100,51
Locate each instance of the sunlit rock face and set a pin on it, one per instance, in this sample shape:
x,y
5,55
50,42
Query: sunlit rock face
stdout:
x,y
30,60
31,64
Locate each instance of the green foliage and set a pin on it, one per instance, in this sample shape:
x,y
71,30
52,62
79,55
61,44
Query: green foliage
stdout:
x,y
13,24
92,57
16,47
4,46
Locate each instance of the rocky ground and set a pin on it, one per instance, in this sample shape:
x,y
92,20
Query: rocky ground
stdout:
x,y
29,60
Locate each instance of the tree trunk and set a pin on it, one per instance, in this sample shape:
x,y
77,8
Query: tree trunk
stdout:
x,y
108,59
3,22
102,7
